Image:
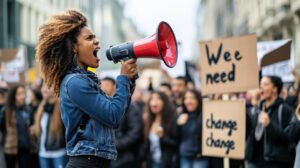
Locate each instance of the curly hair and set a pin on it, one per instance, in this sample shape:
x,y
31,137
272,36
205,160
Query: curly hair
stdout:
x,y
54,50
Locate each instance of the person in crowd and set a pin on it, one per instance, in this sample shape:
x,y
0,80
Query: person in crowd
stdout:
x,y
108,86
179,85
293,131
190,85
35,99
129,135
159,136
267,143
49,130
167,90
293,91
138,98
3,95
189,132
66,48
15,125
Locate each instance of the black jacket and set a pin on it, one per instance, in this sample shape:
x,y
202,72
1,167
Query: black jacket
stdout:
x,y
197,134
275,141
129,137
168,147
293,131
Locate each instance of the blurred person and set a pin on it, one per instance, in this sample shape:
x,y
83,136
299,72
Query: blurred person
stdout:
x,y
284,93
129,135
3,94
166,89
15,127
159,136
49,130
190,85
267,144
66,48
179,85
129,138
108,86
293,131
293,91
138,99
35,97
189,132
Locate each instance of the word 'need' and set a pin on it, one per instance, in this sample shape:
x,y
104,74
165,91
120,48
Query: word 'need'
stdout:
x,y
223,76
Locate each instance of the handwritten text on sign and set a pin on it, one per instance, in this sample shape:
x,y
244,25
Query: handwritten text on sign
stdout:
x,y
229,65
224,129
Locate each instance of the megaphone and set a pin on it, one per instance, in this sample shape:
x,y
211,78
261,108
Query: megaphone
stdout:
x,y
161,45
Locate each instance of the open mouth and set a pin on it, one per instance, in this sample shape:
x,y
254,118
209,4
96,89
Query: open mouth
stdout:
x,y
96,51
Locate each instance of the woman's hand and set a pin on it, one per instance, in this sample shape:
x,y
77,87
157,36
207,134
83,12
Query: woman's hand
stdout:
x,y
129,68
182,119
264,119
160,131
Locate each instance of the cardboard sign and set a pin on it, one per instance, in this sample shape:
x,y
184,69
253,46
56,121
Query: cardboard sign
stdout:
x,y
270,52
297,69
229,65
224,129
281,69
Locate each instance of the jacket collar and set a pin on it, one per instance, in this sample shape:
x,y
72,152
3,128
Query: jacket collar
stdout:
x,y
275,104
77,69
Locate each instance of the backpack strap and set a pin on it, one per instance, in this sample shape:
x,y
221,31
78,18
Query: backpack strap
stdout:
x,y
280,115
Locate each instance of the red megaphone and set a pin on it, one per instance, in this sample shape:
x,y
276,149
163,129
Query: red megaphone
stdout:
x,y
161,45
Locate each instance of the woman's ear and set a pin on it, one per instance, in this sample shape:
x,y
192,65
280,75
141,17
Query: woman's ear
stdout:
x,y
75,49
275,90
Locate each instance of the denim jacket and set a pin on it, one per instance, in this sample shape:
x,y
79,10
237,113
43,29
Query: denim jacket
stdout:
x,y
89,116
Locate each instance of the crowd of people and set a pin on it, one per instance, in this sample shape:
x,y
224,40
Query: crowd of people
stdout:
x,y
162,128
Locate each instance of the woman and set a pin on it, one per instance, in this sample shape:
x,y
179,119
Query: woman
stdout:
x,y
158,131
293,131
49,130
66,48
267,144
15,126
189,131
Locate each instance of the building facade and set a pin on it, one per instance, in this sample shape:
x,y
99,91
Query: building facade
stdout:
x,y
269,19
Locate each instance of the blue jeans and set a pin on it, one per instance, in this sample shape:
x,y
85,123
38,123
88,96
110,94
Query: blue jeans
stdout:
x,y
190,162
59,162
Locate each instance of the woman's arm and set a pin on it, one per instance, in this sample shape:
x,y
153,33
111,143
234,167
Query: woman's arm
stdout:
x,y
96,104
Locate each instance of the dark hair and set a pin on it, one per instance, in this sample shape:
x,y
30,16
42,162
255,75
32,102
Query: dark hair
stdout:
x,y
167,115
277,82
166,85
109,79
198,97
182,78
37,95
55,47
11,104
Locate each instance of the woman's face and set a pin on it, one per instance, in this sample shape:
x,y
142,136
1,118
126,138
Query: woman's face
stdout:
x,y
156,104
190,102
267,89
20,96
86,48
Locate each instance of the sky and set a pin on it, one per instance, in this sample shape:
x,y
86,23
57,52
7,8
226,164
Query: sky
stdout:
x,y
147,14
